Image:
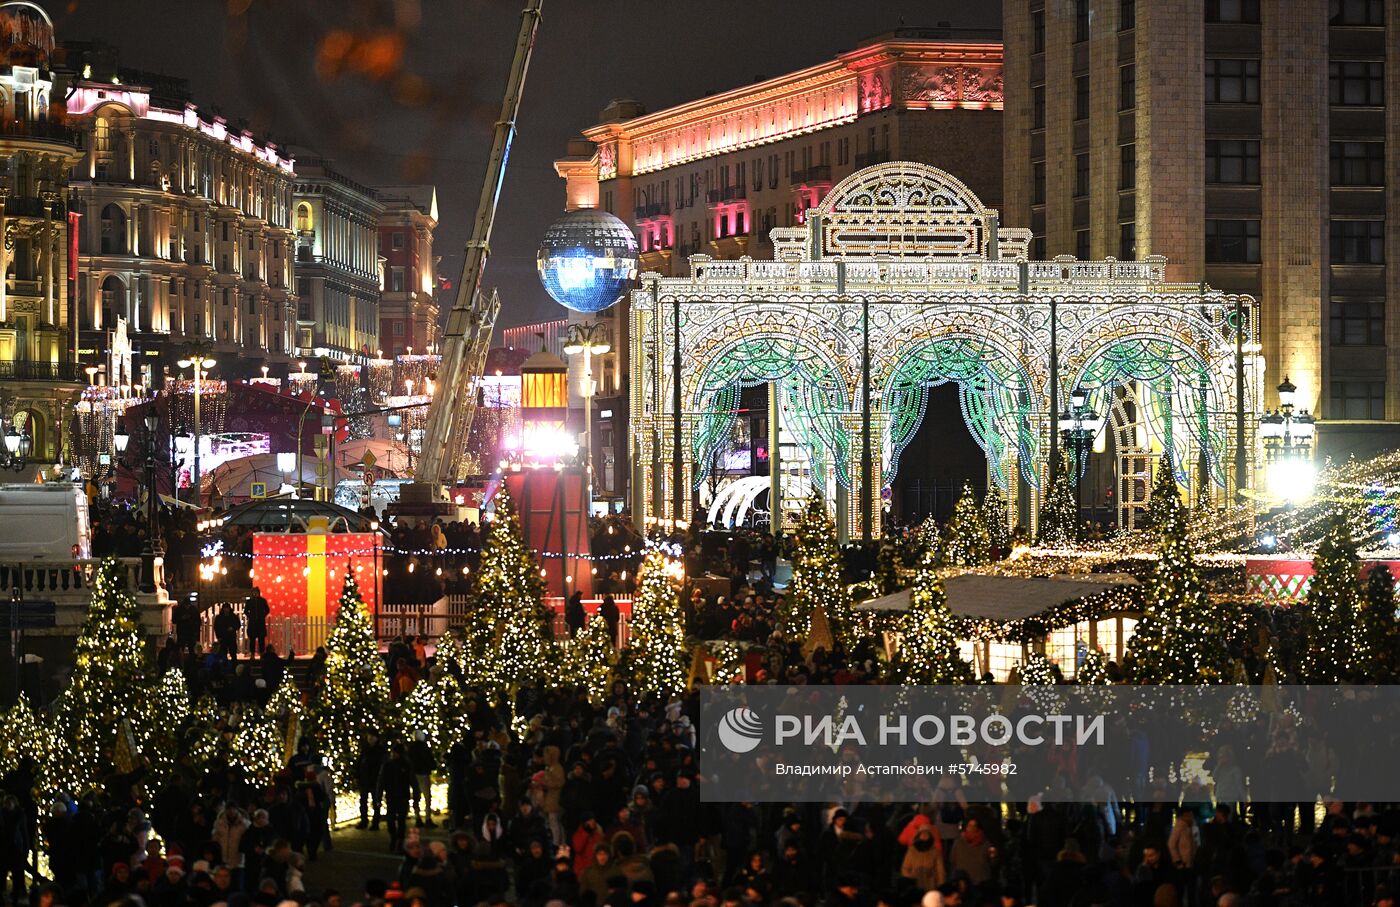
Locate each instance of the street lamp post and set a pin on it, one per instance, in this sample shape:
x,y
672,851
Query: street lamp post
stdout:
x,y
200,361
1079,425
1287,434
590,340
148,549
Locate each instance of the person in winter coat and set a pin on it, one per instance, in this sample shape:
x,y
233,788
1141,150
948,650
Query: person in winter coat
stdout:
x,y
574,614
396,781
227,834
424,763
587,838
553,786
594,879
367,771
1184,841
923,860
257,838
429,877
532,872
973,853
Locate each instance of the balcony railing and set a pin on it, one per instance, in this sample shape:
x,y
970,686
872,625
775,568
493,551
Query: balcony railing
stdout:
x,y
817,173
25,370
26,206
726,194
47,129
654,210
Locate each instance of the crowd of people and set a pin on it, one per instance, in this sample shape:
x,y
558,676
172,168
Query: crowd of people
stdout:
x,y
599,804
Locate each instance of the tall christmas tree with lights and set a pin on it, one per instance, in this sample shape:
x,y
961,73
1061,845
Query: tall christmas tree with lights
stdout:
x,y
928,649
355,697
816,576
589,659
1164,491
109,687
1059,516
258,746
508,586
1180,638
1378,634
26,741
995,511
966,543
655,659
1330,650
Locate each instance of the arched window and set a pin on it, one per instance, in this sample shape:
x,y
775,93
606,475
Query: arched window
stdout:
x,y
303,218
113,230
102,135
113,301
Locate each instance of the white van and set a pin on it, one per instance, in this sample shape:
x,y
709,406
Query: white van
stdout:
x,y
44,522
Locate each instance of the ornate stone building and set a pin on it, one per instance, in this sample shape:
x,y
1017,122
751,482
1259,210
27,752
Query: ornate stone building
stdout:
x,y
1255,145
337,264
716,175
185,228
39,378
408,307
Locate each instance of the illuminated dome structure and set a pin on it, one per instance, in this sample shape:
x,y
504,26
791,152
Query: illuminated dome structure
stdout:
x,y
587,259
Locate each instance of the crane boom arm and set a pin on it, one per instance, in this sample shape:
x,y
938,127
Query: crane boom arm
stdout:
x,y
444,436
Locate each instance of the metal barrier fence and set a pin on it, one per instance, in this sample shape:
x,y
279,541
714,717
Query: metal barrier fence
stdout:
x,y
303,634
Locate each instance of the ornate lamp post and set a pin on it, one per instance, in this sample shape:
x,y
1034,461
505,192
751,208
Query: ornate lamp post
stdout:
x,y
148,550
1288,438
590,340
201,362
1079,425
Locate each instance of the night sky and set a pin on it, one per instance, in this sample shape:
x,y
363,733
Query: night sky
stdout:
x,y
406,90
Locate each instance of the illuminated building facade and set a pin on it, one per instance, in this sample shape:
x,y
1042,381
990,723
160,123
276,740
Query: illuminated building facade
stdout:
x,y
408,306
39,378
714,176
1255,145
184,230
337,263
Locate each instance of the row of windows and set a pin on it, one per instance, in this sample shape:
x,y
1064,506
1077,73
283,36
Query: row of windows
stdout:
x,y
812,162
1351,241
1342,12
1234,162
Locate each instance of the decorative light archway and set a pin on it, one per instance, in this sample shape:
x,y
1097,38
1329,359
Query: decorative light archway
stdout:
x,y
901,279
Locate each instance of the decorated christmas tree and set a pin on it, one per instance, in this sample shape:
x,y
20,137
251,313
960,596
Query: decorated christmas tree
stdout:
x,y
205,737
656,657
1059,515
26,742
258,746
589,659
1038,671
172,699
1180,638
1093,671
107,703
995,514
928,649
1330,650
522,651
427,709
1164,491
816,576
887,563
355,697
966,543
1378,635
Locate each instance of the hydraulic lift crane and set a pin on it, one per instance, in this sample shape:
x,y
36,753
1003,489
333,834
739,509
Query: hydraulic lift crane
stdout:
x,y
473,315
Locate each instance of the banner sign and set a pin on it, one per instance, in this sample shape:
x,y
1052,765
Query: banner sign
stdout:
x,y
1060,743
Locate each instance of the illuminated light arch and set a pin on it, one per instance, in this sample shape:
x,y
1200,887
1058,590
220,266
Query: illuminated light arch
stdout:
x,y
903,259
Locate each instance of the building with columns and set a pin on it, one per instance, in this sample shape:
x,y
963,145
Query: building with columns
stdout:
x,y
185,228
1255,144
39,379
716,175
338,266
408,306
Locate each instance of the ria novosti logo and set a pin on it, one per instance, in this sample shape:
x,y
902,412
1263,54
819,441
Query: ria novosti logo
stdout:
x,y
740,730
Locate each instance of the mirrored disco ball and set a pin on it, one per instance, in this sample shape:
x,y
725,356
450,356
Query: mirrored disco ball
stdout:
x,y
587,260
